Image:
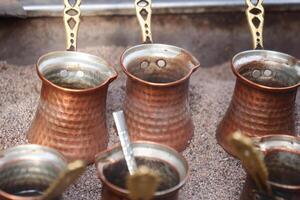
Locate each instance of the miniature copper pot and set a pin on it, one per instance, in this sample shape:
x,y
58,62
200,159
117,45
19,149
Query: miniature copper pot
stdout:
x,y
70,120
282,157
141,150
71,115
263,102
26,171
156,103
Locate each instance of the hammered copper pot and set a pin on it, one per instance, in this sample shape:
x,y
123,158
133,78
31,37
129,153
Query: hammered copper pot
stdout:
x,y
156,103
26,171
282,158
141,149
71,115
257,109
72,121
264,97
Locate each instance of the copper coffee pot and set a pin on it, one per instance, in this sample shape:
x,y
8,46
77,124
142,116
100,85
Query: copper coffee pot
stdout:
x,y
263,102
71,115
156,103
112,170
282,159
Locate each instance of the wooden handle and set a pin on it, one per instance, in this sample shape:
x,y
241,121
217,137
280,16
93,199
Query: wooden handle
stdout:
x,y
143,13
71,21
255,15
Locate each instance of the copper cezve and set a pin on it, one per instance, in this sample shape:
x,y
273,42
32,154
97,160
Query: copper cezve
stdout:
x,y
156,103
71,115
263,102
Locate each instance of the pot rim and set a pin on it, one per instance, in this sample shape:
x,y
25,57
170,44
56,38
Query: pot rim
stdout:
x,y
46,81
15,197
196,64
33,147
28,147
259,141
126,192
260,86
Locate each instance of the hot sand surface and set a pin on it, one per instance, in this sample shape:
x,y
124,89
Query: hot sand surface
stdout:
x,y
214,174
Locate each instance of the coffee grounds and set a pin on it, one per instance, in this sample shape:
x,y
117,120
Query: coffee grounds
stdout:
x,y
117,172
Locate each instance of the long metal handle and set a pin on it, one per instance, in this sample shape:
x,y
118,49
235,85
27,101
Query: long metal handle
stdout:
x,y
144,13
71,20
255,15
125,141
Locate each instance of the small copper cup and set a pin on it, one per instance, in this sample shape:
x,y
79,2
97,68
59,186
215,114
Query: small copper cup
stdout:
x,y
156,102
282,158
145,150
263,102
26,171
71,115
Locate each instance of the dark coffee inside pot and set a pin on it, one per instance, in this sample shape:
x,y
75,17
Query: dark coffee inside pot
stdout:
x,y
284,167
74,78
158,71
117,172
270,73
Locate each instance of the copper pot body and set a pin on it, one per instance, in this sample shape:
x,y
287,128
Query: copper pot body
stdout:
x,y
71,115
28,168
146,150
264,97
283,162
156,103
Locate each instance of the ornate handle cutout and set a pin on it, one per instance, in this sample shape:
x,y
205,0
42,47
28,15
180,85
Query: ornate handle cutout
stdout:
x,y
255,15
144,12
71,20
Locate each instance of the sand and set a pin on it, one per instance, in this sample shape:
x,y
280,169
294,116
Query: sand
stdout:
x,y
214,174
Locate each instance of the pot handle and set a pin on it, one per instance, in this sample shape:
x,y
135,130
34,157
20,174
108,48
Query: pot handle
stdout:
x,y
143,13
71,20
255,15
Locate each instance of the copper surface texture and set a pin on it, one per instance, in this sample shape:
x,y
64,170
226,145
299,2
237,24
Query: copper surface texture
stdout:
x,y
159,114
257,113
74,124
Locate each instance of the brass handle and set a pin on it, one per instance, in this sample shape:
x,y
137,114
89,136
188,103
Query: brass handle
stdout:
x,y
65,179
143,13
252,161
143,183
71,21
255,15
